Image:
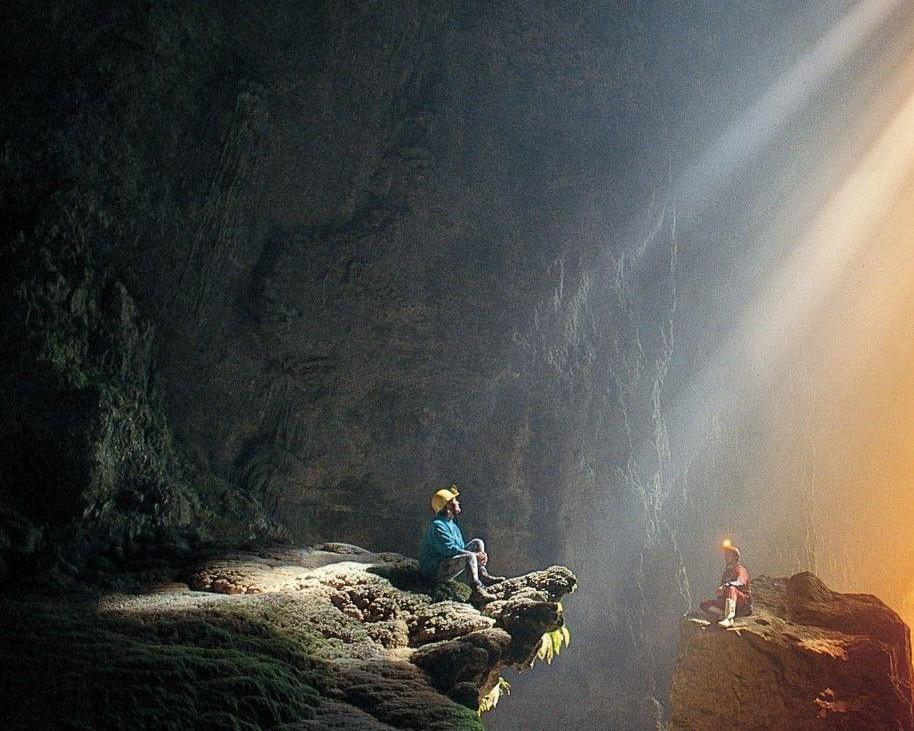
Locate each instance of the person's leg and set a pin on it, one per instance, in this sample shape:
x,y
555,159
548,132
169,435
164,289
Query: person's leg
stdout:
x,y
729,607
743,604
451,568
714,607
477,545
472,564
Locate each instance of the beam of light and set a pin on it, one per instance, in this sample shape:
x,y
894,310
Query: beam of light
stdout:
x,y
762,345
758,125
777,320
811,271
860,402
726,385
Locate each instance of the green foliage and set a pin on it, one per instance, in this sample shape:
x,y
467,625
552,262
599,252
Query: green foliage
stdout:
x,y
551,643
490,699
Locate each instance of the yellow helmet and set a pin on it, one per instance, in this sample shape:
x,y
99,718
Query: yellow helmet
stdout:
x,y
443,497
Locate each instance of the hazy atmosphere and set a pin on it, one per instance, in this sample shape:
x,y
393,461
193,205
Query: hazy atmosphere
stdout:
x,y
636,276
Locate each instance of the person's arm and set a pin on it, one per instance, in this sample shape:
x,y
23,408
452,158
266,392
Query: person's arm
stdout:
x,y
741,578
448,542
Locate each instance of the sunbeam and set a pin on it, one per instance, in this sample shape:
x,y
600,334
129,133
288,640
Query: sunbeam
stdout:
x,y
755,127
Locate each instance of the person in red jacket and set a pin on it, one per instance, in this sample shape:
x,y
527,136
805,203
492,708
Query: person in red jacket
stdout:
x,y
734,595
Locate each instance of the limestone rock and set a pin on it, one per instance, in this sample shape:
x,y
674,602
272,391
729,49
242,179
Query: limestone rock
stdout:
x,y
447,620
808,658
299,638
474,658
370,600
389,634
549,584
526,607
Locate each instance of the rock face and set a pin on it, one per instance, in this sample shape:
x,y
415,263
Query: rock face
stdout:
x,y
257,265
808,658
335,637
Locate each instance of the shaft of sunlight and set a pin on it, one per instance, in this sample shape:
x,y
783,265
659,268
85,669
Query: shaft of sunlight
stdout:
x,y
756,126
775,323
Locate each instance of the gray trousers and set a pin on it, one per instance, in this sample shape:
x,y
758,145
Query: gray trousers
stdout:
x,y
452,567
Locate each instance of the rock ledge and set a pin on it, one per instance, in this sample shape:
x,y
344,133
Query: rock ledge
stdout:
x,y
327,637
808,658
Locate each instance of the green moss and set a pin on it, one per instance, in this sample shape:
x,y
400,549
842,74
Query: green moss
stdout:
x,y
246,663
156,671
450,591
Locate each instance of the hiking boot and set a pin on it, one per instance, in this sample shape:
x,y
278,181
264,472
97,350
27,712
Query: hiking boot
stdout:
x,y
481,596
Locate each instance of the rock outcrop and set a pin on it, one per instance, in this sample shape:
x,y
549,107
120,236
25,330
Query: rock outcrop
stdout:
x,y
808,658
460,648
332,637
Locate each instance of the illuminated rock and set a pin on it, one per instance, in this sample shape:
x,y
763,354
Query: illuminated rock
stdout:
x,y
807,658
461,649
336,637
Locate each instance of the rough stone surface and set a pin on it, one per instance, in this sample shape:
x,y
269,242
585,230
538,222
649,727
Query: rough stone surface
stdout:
x,y
808,658
446,620
306,638
362,243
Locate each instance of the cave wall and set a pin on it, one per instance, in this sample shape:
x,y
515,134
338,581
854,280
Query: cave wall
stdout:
x,y
341,223
373,248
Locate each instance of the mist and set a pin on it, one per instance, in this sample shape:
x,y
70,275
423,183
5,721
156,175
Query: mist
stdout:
x,y
760,301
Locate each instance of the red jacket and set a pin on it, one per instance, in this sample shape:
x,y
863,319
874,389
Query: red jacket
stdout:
x,y
737,574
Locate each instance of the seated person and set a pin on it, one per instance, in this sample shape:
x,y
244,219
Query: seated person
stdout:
x,y
444,555
734,595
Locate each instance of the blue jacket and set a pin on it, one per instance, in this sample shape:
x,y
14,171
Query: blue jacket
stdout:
x,y
442,540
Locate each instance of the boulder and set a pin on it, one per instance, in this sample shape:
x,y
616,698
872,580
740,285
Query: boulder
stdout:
x,y
807,658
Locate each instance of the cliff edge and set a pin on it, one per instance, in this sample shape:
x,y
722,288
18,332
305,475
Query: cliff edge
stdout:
x,y
808,658
327,637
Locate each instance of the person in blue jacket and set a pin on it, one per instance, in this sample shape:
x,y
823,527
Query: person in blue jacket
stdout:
x,y
444,554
